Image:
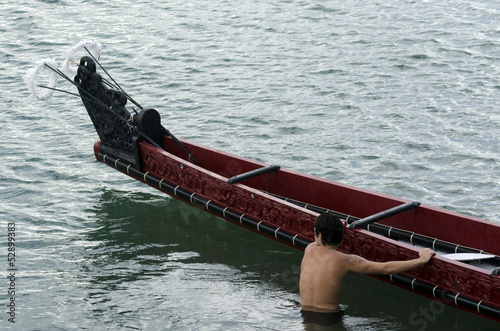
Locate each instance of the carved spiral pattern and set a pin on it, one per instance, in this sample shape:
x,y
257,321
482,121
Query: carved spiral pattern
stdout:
x,y
447,276
251,203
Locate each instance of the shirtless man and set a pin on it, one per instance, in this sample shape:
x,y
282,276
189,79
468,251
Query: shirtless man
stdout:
x,y
324,268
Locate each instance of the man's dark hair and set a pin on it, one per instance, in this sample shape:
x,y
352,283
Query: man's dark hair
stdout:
x,y
331,229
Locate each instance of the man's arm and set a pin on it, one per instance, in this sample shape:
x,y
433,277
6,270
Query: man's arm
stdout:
x,y
361,265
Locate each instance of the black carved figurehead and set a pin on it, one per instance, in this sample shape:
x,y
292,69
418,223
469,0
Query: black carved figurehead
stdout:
x,y
118,130
106,107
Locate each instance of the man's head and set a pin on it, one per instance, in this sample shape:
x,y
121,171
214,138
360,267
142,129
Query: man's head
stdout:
x,y
331,229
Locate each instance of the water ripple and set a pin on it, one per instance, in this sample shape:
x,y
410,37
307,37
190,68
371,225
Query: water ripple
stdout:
x,y
397,96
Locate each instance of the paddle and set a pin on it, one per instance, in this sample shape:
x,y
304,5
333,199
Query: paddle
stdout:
x,y
384,214
468,256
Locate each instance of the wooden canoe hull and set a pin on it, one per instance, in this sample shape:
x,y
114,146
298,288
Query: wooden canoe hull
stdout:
x,y
258,205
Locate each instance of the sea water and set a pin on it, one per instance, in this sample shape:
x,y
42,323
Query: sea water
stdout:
x,y
399,97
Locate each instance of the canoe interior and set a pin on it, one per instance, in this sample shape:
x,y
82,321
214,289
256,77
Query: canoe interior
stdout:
x,y
425,220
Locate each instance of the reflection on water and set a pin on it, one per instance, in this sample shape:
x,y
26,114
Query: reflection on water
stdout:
x,y
176,256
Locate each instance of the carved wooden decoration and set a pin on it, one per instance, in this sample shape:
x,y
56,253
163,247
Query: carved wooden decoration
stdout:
x,y
213,187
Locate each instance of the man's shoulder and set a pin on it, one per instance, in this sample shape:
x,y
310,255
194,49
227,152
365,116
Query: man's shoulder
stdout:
x,y
311,246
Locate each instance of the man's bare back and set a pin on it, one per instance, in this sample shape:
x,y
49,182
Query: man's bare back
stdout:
x,y
321,277
323,269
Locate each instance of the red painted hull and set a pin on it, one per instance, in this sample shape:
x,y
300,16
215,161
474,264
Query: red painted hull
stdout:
x,y
257,205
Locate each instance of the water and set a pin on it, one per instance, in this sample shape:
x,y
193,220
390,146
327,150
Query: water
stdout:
x,y
399,97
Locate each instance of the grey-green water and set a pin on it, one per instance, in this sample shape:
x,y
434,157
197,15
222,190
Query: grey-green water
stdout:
x,y
399,97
